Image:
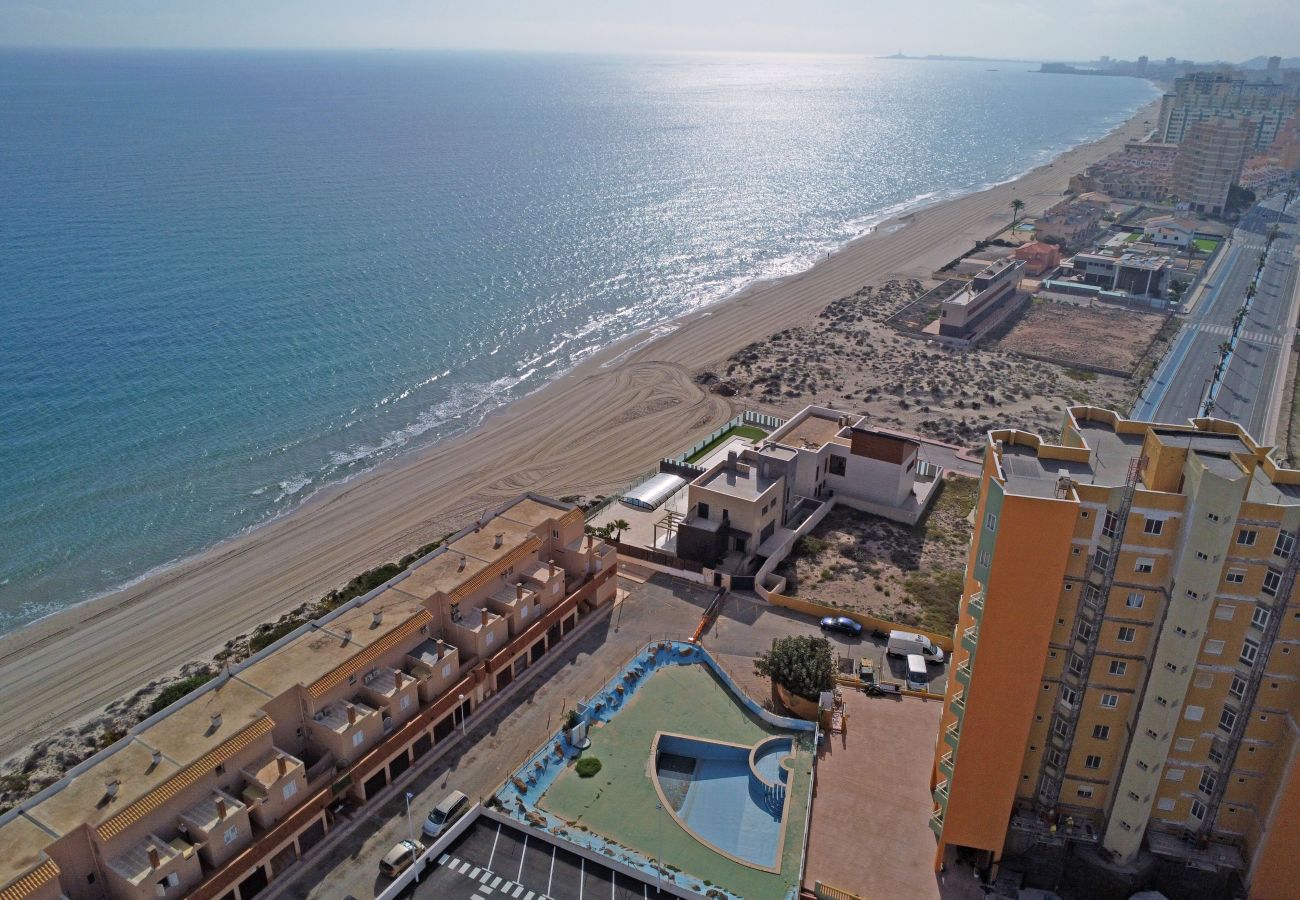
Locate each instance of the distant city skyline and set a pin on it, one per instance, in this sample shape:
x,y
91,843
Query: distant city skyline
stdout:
x,y
1203,29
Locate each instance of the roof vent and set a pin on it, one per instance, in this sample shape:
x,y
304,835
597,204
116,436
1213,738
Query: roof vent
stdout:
x,y
216,721
110,788
376,618
281,765
460,565
221,808
498,539
485,614
155,861
347,635
157,757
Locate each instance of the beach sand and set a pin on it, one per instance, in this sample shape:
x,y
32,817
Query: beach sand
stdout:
x,y
588,433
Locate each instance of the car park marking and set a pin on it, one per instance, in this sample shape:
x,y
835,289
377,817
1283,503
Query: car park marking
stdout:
x,y
493,854
520,876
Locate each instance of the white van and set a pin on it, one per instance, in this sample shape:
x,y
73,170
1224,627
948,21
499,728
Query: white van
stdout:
x,y
905,643
917,678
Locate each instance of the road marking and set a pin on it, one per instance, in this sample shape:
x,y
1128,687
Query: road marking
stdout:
x,y
492,855
464,867
552,875
496,882
476,897
520,875
505,888
583,883
442,860
530,896
487,873
474,874
519,890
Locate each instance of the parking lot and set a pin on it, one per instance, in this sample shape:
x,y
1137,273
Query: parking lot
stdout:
x,y
491,861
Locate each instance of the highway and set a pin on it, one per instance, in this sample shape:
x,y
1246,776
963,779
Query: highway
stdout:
x,y
1256,369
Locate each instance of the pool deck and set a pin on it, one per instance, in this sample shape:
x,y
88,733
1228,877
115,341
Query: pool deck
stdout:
x,y
620,802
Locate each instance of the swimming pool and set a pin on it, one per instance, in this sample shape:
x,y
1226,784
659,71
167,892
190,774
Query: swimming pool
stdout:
x,y
728,796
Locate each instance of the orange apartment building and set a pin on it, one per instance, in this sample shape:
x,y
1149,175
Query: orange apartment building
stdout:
x,y
1121,711
218,794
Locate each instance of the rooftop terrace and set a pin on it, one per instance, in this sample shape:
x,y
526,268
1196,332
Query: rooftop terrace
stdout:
x,y
811,429
736,480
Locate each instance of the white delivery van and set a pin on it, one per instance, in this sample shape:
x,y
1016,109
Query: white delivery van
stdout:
x,y
904,643
916,674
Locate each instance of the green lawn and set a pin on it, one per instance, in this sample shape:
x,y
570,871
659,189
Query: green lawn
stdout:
x,y
619,803
1205,245
753,432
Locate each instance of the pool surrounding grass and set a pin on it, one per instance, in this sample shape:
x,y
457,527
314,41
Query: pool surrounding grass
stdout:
x,y
752,432
619,810
1205,245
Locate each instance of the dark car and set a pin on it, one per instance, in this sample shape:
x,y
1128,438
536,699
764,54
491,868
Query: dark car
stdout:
x,y
842,624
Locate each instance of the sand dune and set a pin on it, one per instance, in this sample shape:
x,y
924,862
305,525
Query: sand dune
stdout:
x,y
588,433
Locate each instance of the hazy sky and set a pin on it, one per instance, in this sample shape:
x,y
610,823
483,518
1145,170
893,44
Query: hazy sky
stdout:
x,y
1041,29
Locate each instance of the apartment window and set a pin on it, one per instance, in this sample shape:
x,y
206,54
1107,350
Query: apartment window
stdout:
x,y
1101,732
446,671
1215,755
1225,611
1271,581
1204,680
1213,648
1076,664
1165,804
1285,544
357,738
1246,537
231,835
1125,825
1171,667
836,464
1127,634
555,534
289,790
1249,650
1110,525
166,883
1101,559
1133,795
1135,600
1173,775
1235,576
1181,631
1109,701
1151,733
985,558
1142,765
1085,793
1144,566
1054,757
1085,631
1083,513
405,702
1091,594
1117,667
1192,595
1184,745
703,510
491,639
1238,687
1227,720
726,514
1092,762
1202,556
1260,617
1194,713
1068,695
1062,728
523,611
1213,517
1153,526
1198,810
1208,781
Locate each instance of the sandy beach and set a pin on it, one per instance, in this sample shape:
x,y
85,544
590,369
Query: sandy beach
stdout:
x,y
588,433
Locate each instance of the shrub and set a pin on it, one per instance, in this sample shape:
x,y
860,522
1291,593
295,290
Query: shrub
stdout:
x,y
571,719
266,635
178,689
801,664
588,766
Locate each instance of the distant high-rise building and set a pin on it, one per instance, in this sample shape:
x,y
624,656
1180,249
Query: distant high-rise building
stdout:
x,y
1142,65
1209,163
1171,61
1105,61
1275,69
1122,694
1207,95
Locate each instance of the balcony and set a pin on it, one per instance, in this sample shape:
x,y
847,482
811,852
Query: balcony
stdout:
x,y
958,705
970,638
946,764
975,605
940,794
936,822
952,735
962,673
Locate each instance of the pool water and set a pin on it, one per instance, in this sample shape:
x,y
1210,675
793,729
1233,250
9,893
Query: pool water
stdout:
x,y
722,799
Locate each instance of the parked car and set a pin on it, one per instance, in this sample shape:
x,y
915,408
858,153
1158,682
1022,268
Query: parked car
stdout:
x,y
905,643
449,809
842,624
400,858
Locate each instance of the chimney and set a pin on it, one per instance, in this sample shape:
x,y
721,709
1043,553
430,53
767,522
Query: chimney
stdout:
x,y
550,568
154,859
589,541
460,566
281,765
442,648
485,614
347,635
376,618
216,720
157,757
352,714
221,808
519,591
731,459
110,788
498,539
397,679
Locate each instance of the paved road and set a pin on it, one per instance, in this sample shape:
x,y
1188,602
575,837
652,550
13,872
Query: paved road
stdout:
x,y
1248,391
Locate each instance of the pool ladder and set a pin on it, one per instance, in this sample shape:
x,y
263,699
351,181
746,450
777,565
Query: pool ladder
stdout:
x,y
774,795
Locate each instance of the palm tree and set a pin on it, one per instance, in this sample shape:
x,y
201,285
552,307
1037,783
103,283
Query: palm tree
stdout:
x,y
1017,207
618,526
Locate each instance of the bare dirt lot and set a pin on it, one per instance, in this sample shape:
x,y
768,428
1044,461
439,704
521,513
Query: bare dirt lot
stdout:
x,y
1083,335
848,358
912,576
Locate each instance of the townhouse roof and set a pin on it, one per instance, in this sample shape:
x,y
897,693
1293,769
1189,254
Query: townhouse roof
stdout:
x,y
24,866
191,731
85,799
811,429
533,511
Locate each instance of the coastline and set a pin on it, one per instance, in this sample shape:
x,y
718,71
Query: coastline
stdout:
x,y
587,432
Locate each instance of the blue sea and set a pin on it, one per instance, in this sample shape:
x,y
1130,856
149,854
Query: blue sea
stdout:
x,y
228,279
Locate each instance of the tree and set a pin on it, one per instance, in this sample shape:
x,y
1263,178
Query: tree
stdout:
x,y
1017,206
618,526
801,664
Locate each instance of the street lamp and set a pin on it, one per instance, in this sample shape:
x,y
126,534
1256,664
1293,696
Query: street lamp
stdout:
x,y
461,698
659,866
410,828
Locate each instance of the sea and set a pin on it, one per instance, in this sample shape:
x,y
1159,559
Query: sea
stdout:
x,y
230,279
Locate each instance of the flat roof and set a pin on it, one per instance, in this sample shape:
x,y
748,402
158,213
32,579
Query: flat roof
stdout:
x,y
481,543
442,574
531,512
187,733
308,658
24,844
742,481
85,799
808,432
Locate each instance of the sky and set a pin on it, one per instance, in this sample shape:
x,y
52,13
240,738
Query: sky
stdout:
x,y
1230,30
